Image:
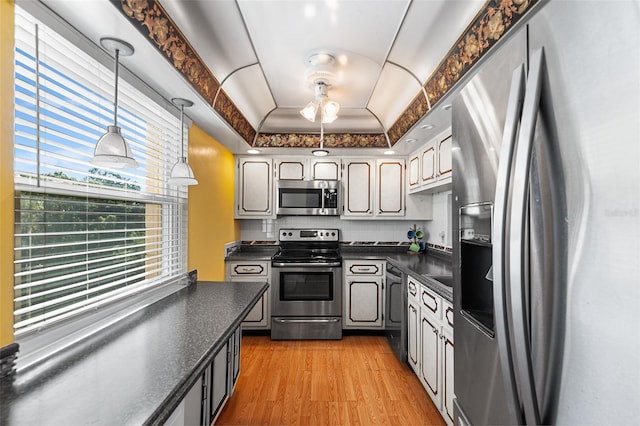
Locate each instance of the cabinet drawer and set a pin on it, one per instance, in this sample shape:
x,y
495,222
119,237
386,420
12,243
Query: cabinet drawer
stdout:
x,y
430,301
248,269
413,290
364,268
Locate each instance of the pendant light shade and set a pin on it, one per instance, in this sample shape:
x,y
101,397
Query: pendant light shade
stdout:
x,y
112,150
181,173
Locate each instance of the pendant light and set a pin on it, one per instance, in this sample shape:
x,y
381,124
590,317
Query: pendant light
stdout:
x,y
181,173
111,149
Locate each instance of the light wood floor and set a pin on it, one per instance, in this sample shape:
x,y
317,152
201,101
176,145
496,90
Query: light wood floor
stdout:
x,y
356,380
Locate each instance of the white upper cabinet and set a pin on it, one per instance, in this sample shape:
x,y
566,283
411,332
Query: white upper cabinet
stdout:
x,y
375,189
390,187
291,169
304,168
430,166
254,188
325,169
358,184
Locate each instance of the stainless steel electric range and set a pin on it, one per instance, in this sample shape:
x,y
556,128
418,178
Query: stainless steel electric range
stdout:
x,y
307,285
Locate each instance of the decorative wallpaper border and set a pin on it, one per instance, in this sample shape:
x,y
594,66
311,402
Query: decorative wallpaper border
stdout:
x,y
495,19
332,140
490,25
154,22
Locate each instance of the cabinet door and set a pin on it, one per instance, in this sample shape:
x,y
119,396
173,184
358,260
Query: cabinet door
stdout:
x,y
447,376
358,194
364,302
259,317
390,182
413,175
219,381
444,158
232,373
430,362
291,169
254,192
413,337
428,164
325,169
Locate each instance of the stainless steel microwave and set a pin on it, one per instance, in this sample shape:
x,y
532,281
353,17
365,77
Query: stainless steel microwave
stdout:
x,y
308,197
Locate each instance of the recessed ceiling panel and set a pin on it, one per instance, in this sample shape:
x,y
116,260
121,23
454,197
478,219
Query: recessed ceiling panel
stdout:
x,y
395,90
429,31
216,32
250,93
358,33
289,120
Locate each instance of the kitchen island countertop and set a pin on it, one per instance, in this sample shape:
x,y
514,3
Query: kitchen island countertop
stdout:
x,y
138,370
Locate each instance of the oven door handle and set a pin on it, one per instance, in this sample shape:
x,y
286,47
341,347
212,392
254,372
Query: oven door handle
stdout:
x,y
313,265
301,320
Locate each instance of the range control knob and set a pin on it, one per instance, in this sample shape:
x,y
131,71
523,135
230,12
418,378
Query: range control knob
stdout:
x,y
290,233
333,234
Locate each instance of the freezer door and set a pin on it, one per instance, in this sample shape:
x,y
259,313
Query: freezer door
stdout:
x,y
590,111
478,120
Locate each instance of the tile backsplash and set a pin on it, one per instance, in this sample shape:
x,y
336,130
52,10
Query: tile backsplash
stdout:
x,y
437,231
350,230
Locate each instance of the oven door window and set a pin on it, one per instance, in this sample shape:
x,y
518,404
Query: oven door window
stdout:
x,y
306,286
305,198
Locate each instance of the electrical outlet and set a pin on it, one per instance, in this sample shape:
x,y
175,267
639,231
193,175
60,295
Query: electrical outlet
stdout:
x,y
193,276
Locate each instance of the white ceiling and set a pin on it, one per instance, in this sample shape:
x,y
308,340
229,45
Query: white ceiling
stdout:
x,y
385,50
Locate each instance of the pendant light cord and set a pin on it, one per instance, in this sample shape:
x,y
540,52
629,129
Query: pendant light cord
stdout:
x,y
115,97
182,130
321,124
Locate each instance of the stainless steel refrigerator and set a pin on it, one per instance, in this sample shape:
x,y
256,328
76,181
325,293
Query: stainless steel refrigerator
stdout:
x,y
546,197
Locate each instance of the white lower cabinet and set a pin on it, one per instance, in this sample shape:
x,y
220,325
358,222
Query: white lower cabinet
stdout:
x,y
206,398
363,305
259,318
430,344
413,329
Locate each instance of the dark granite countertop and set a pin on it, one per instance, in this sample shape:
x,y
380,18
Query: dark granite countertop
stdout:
x,y
138,370
253,252
417,265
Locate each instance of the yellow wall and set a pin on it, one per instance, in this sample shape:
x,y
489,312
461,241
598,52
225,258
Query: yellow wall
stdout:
x,y
6,172
211,205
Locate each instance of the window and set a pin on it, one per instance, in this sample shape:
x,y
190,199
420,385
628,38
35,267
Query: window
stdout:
x,y
86,236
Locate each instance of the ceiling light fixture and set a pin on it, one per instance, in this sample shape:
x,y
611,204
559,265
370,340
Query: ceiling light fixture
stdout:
x,y
320,73
112,150
253,151
427,126
181,173
328,109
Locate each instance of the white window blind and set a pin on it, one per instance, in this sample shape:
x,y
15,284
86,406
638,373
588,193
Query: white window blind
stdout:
x,y
86,236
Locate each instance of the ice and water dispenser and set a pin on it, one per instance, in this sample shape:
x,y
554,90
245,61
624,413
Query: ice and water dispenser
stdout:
x,y
476,260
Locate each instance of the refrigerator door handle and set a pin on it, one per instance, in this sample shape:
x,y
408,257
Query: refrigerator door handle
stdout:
x,y
517,249
500,239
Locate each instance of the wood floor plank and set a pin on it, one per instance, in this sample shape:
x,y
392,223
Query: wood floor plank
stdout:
x,y
353,381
